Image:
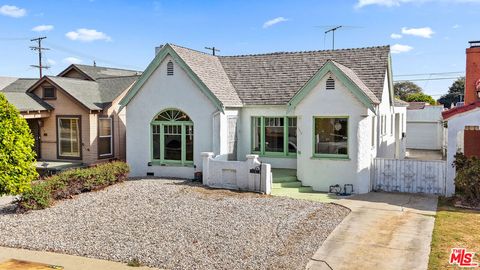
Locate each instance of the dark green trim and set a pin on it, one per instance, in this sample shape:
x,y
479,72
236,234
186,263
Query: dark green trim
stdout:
x,y
162,161
330,156
168,50
262,152
329,66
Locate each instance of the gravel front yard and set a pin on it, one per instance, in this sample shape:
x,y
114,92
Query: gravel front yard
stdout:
x,y
177,225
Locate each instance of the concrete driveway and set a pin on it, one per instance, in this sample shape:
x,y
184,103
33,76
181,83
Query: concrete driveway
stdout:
x,y
384,231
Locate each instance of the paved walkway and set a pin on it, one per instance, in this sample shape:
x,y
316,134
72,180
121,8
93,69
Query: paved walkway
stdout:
x,y
384,231
68,262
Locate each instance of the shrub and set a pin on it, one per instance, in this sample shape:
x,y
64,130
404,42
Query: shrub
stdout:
x,y
17,158
72,182
467,180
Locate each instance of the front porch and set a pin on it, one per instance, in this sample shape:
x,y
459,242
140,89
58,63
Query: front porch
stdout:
x,y
286,184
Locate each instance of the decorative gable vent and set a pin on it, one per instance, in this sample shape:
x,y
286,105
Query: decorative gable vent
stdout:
x,y
330,84
170,68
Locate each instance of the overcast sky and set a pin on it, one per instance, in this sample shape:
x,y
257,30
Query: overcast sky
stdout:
x,y
426,36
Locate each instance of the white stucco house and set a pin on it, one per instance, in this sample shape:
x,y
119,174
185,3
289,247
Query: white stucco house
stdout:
x,y
327,114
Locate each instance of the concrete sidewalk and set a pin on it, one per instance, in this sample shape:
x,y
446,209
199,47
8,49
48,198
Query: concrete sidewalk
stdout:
x,y
384,231
68,262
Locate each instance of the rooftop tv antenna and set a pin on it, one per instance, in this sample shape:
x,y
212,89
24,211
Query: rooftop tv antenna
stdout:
x,y
333,34
213,49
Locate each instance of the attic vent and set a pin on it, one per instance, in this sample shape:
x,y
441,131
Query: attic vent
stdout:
x,y
170,68
330,84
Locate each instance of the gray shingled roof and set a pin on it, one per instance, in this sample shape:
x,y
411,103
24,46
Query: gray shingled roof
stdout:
x,y
209,69
20,85
400,103
5,81
15,94
275,78
95,95
354,78
26,102
96,72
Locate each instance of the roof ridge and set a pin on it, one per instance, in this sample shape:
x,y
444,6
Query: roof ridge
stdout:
x,y
310,51
117,77
190,49
106,67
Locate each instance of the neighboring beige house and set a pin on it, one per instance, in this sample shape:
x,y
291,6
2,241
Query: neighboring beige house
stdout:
x,y
74,116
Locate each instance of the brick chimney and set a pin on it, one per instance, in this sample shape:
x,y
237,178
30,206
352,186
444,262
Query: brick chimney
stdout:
x,y
472,77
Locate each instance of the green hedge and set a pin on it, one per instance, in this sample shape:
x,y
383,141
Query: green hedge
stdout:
x,y
72,182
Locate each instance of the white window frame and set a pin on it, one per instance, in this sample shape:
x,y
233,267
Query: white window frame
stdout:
x,y
106,136
60,139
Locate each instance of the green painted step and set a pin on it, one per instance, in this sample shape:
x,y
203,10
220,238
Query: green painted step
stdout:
x,y
292,184
284,175
284,190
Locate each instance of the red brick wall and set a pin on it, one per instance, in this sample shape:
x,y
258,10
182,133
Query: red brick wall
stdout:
x,y
472,74
471,143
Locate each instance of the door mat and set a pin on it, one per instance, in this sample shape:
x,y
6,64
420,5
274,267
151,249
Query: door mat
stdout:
x,y
24,265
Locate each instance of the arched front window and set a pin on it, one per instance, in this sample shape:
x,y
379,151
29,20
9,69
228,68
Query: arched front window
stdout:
x,y
172,138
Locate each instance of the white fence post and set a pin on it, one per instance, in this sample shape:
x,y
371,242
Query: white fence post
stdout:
x,y
206,157
253,179
266,178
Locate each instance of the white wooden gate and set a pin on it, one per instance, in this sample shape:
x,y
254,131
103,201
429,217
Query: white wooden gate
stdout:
x,y
407,175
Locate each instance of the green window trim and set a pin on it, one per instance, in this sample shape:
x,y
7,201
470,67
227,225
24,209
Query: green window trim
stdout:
x,y
162,161
330,156
263,153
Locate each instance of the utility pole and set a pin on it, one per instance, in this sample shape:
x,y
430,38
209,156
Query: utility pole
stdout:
x,y
213,49
333,35
39,48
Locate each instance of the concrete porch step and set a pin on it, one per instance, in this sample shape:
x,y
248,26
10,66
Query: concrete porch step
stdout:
x,y
293,184
290,190
284,175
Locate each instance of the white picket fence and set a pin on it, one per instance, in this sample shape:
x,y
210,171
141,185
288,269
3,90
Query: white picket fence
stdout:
x,y
407,175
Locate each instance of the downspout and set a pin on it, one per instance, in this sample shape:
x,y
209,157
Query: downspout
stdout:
x,y
213,131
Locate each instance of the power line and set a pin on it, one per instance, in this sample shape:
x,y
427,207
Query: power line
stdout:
x,y
425,74
430,79
39,48
14,39
90,57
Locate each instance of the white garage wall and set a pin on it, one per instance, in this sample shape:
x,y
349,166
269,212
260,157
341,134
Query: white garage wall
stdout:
x,y
425,128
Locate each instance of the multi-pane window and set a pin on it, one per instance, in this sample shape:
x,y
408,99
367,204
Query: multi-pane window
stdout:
x,y
105,137
69,137
331,136
48,93
172,138
256,133
292,135
275,136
